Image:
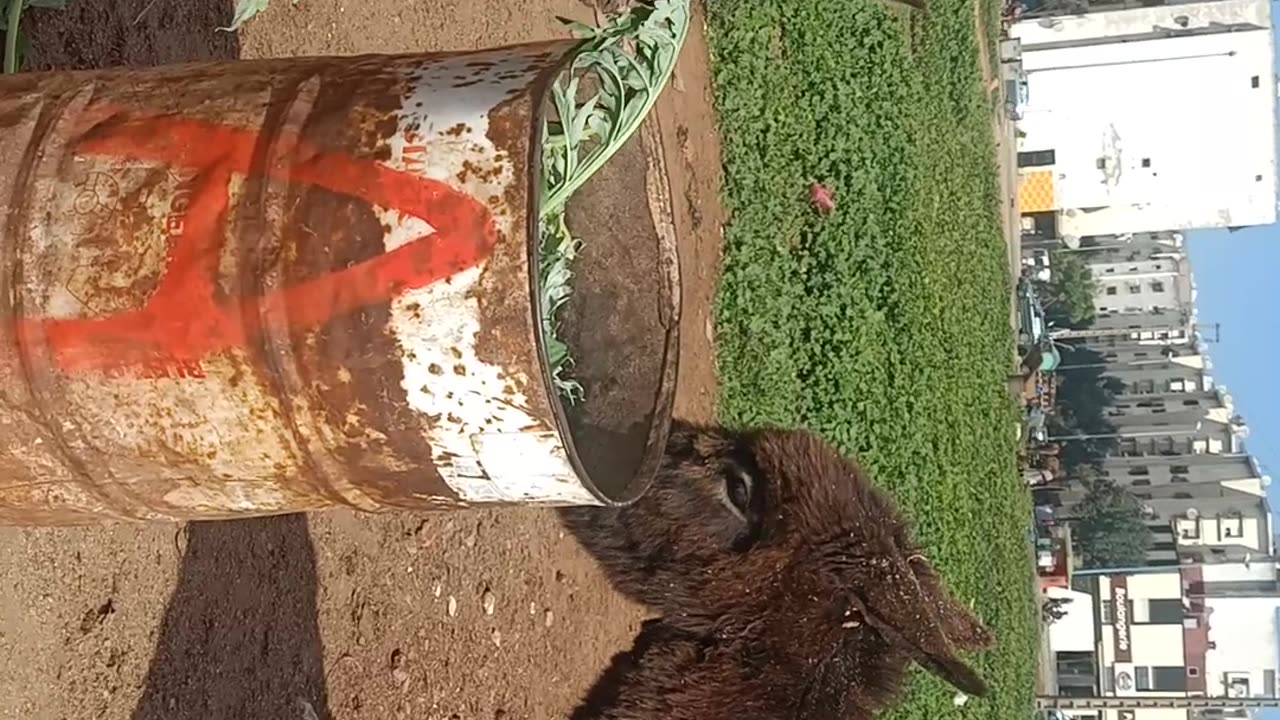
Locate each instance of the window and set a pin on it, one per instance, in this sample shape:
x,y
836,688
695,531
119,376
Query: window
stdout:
x,y
1140,482
1111,290
1182,496
1161,679
1146,162
1135,289
1255,82
1231,527
1191,403
1193,672
1269,683
1157,286
1036,158
1179,469
1142,678
1102,163
1188,529
1139,471
1179,479
1237,685
1165,611
1109,270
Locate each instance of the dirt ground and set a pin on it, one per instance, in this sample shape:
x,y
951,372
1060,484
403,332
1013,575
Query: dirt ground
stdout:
x,y
336,615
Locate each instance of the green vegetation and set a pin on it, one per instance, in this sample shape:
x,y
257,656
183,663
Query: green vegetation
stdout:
x,y
1069,292
886,325
1110,530
628,61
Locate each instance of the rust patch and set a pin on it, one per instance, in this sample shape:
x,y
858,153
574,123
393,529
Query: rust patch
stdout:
x,y
350,367
460,370
435,369
473,170
506,308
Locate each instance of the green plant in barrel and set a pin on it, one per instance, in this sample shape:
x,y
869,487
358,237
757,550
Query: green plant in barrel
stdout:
x,y
15,43
626,63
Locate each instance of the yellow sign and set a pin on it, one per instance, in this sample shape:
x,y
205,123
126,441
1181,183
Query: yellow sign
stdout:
x,y
1035,192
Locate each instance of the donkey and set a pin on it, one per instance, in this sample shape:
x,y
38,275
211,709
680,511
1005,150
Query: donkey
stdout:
x,y
789,586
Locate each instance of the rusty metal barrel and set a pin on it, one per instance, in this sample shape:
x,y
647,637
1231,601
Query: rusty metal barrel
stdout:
x,y
261,287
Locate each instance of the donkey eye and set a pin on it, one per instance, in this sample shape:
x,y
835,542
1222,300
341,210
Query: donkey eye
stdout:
x,y
738,488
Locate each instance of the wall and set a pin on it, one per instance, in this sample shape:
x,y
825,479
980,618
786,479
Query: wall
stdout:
x,y
1151,645
1076,631
1159,469
1155,132
1093,26
1137,286
1243,631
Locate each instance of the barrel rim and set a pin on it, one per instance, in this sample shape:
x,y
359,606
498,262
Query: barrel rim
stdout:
x,y
668,295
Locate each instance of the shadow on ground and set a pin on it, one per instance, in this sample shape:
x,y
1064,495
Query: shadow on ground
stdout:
x,y
239,638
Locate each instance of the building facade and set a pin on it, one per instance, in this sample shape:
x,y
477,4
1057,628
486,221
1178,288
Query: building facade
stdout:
x,y
1182,632
1148,117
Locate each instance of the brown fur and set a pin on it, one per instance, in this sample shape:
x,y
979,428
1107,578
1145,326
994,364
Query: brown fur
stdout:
x,y
809,601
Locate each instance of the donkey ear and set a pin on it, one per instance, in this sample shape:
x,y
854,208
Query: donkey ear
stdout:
x,y
959,624
893,603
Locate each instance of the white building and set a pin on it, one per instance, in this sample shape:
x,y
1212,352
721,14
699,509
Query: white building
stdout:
x,y
1244,640
1158,118
1194,630
1149,275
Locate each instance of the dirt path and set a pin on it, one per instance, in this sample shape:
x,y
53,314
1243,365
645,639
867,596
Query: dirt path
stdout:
x,y
345,615
989,79
1002,129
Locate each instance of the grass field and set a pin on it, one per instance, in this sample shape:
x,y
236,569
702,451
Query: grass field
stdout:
x,y
885,326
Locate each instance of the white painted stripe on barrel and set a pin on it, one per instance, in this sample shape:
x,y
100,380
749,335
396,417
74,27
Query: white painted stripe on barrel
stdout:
x,y
486,443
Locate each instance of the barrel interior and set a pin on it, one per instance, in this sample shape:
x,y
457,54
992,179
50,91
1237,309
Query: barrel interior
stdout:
x,y
621,325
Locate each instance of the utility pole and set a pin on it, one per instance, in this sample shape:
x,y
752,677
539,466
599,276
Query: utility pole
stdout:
x,y
1168,702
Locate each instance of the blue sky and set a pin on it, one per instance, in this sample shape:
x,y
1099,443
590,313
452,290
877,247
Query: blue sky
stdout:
x,y
1238,277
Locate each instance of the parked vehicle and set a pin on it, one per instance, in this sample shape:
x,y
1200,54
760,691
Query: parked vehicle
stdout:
x,y
1032,323
1035,265
1017,94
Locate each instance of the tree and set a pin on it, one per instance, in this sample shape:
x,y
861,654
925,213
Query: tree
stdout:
x,y
1084,394
1109,527
1069,293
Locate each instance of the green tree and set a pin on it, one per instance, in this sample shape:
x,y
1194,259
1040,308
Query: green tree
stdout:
x,y
1109,527
1069,293
1083,396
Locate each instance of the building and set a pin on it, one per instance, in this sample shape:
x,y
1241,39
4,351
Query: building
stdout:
x,y
1180,450
1149,274
1147,118
1182,631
